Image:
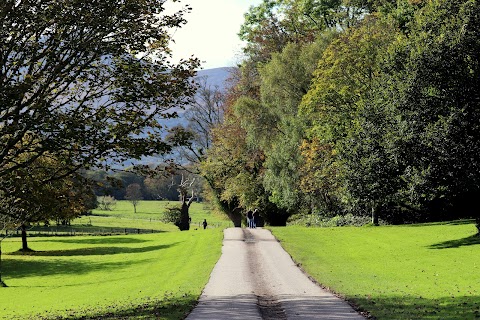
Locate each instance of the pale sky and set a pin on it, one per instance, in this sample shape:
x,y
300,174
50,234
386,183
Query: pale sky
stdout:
x,y
211,32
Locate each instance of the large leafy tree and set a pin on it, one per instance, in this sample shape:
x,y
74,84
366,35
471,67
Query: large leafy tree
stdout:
x,y
407,144
341,87
261,108
89,79
271,25
285,80
282,51
431,81
227,166
30,195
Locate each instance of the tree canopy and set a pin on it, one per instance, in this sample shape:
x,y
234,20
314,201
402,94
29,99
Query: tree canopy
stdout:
x,y
90,79
359,107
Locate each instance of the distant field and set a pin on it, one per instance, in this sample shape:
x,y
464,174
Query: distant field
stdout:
x,y
122,220
427,271
108,277
152,210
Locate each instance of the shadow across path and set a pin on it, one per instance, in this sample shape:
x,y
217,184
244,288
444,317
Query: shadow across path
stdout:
x,y
246,307
239,307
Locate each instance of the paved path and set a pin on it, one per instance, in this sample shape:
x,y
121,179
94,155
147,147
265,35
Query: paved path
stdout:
x,y
256,279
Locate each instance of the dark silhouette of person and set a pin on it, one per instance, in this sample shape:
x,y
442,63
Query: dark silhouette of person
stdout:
x,y
254,218
250,218
204,223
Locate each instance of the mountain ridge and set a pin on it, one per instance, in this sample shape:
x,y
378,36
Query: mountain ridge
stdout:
x,y
215,77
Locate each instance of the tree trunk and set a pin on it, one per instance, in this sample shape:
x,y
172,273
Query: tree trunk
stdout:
x,y
375,216
231,209
2,284
184,217
236,216
24,239
477,224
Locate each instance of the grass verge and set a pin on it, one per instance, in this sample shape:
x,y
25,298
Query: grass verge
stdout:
x,y
108,277
395,272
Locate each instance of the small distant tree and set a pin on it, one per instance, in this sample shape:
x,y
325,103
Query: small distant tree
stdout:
x,y
106,203
134,195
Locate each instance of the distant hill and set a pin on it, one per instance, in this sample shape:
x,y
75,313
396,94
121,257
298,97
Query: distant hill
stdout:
x,y
215,77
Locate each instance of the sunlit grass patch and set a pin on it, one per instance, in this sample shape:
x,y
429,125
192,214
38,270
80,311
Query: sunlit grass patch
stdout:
x,y
108,276
395,272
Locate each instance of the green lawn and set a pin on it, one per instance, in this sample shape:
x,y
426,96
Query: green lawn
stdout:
x,y
395,272
152,210
123,220
429,271
147,276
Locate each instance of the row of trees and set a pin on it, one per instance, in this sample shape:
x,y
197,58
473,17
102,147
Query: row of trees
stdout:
x,y
353,106
159,186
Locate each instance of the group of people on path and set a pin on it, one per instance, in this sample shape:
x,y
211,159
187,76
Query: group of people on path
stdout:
x,y
251,218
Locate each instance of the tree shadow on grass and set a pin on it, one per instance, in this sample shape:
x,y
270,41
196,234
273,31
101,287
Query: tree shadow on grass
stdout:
x,y
172,308
440,223
93,251
99,240
21,268
94,230
411,307
468,241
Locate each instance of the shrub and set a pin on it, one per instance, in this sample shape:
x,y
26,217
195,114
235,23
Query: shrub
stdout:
x,y
315,220
106,203
172,215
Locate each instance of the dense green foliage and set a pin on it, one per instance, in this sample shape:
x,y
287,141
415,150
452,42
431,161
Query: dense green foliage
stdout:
x,y
373,112
30,196
425,271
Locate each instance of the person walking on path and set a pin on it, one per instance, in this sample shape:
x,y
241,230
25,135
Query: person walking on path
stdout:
x,y
250,218
204,223
254,218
